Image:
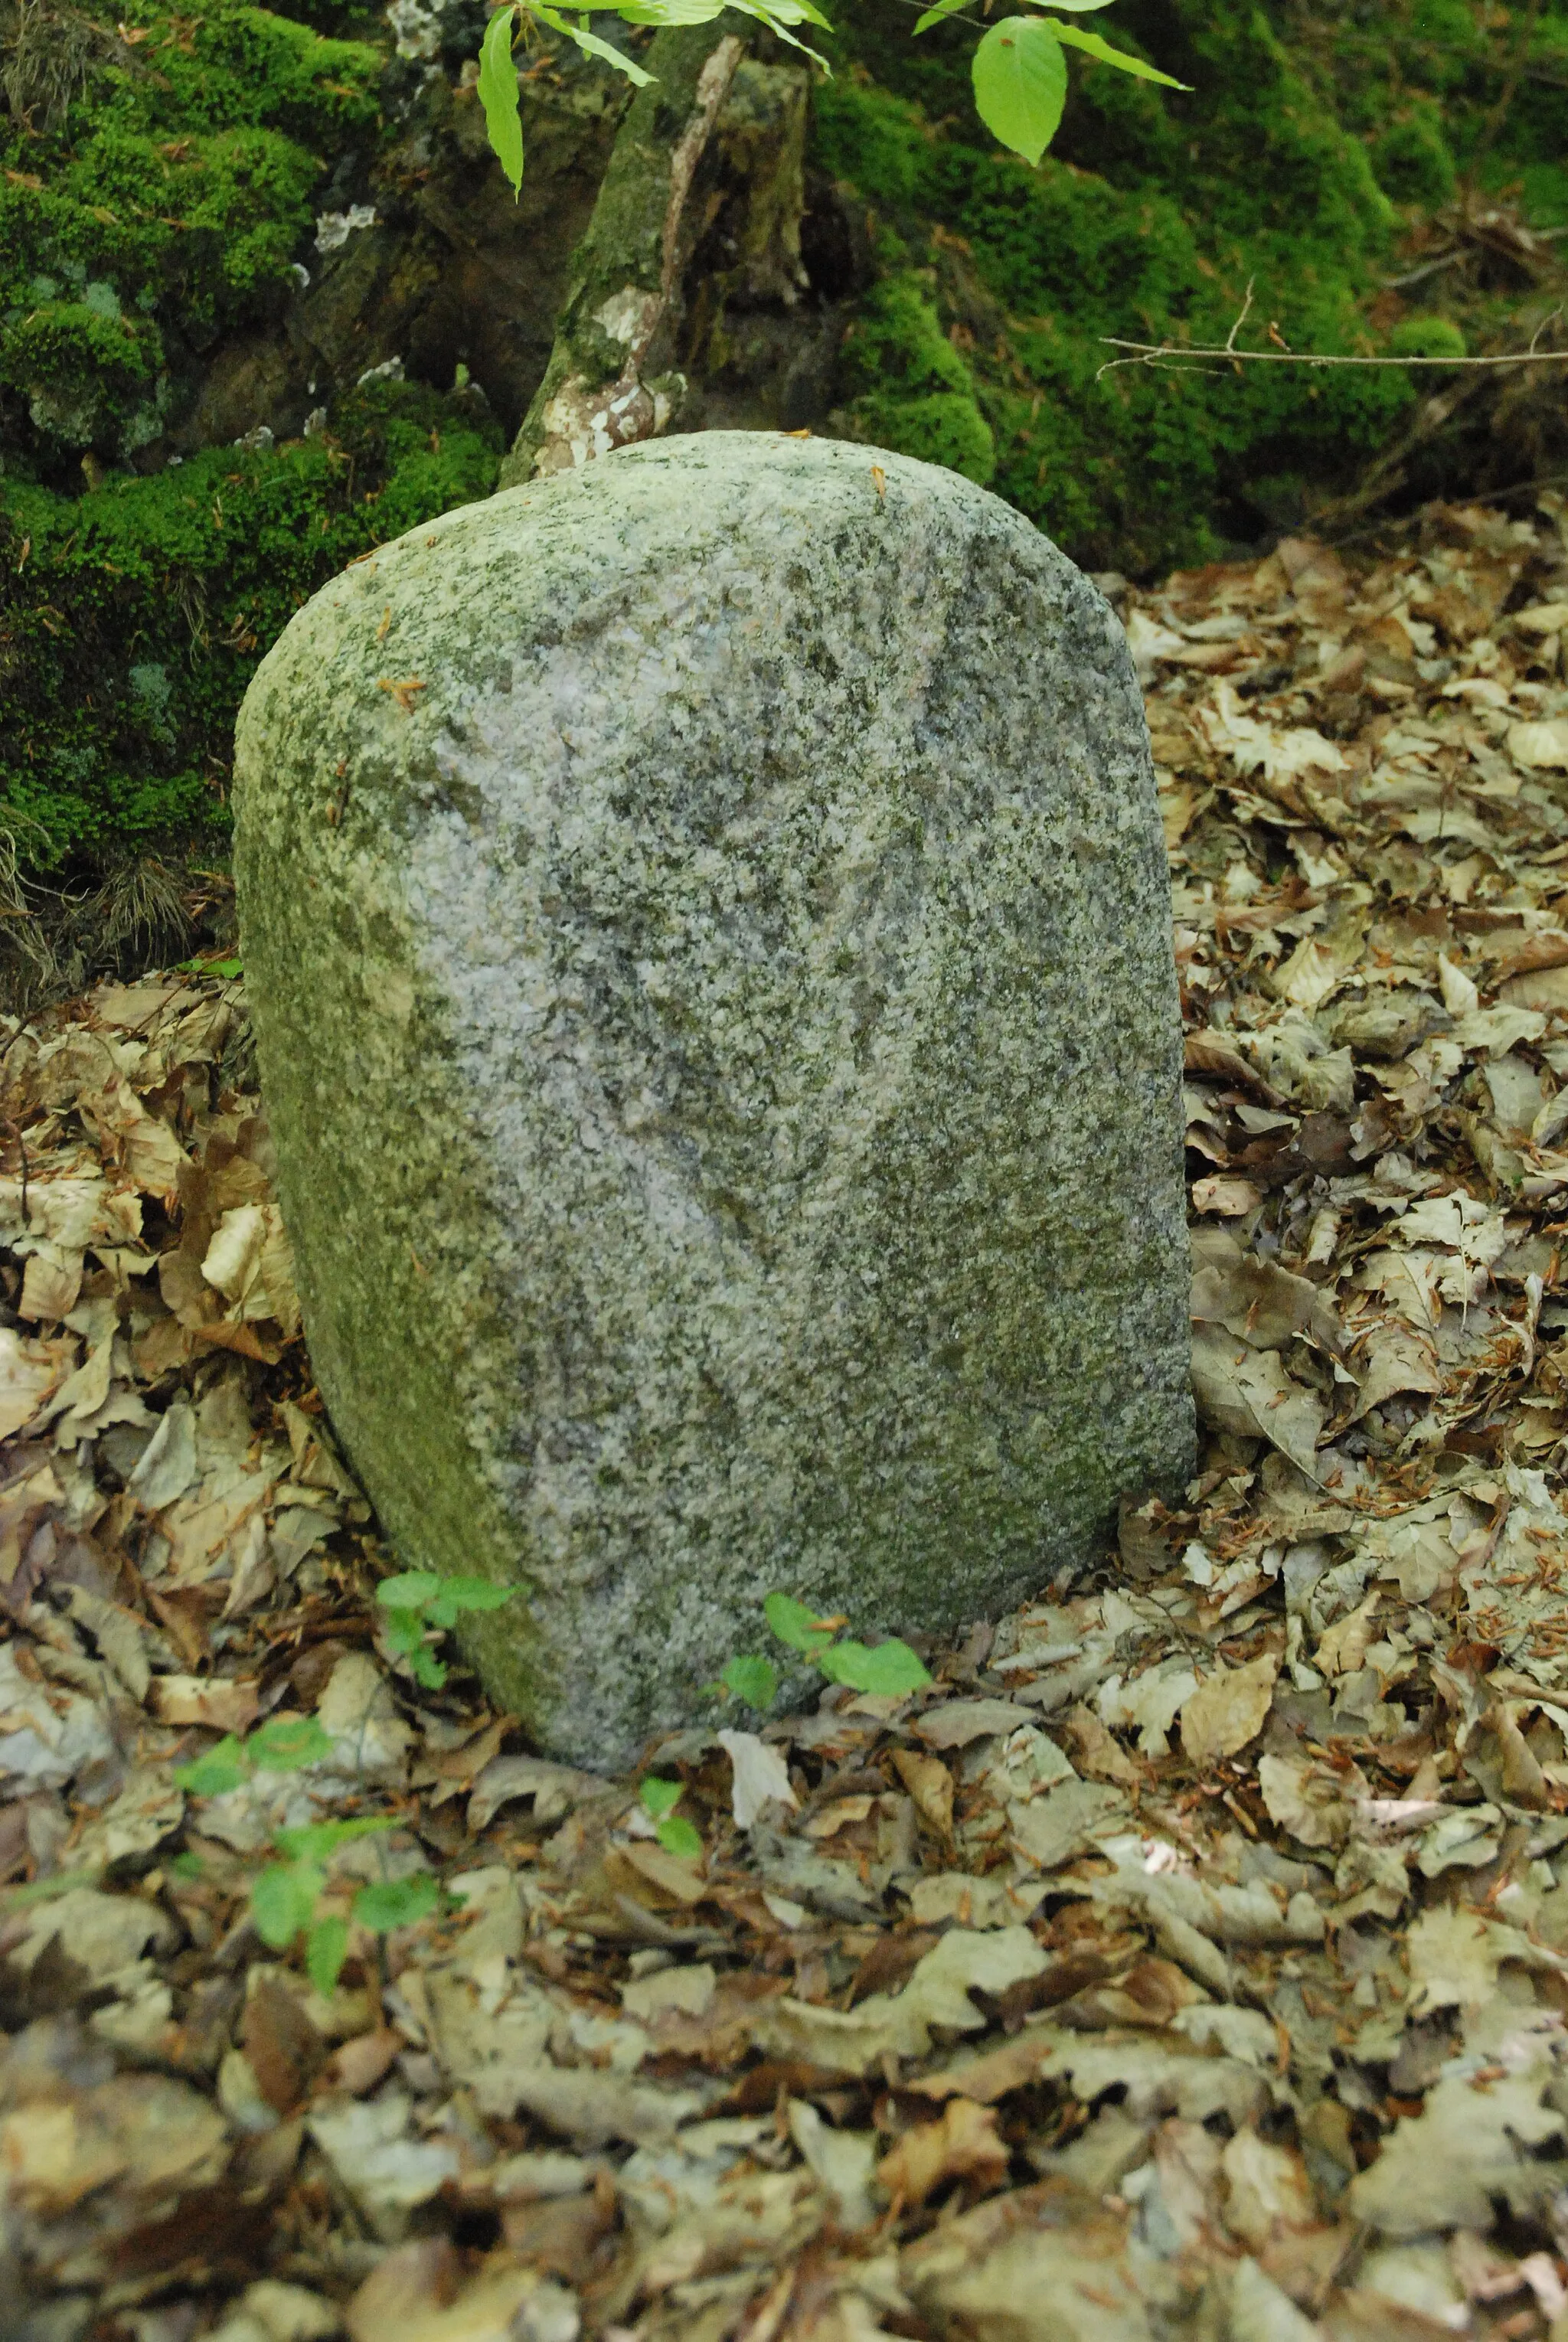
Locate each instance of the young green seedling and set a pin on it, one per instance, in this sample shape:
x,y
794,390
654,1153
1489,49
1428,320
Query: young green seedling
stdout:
x,y
419,1603
888,1669
286,1895
674,1833
284,1745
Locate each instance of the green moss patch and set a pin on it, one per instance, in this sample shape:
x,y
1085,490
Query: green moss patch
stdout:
x,y
155,186
1307,146
133,617
912,390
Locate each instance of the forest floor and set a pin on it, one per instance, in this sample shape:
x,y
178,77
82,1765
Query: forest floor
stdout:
x,y
1190,1960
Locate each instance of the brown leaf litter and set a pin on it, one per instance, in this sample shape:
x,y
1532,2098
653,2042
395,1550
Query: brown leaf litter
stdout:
x,y
1190,1961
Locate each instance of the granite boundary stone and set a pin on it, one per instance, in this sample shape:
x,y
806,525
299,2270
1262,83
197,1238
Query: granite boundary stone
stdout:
x,y
708,931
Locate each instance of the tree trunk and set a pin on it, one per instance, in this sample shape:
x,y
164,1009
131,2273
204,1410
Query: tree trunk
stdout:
x,y
603,385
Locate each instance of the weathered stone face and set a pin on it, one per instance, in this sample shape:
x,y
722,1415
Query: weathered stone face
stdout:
x,y
709,935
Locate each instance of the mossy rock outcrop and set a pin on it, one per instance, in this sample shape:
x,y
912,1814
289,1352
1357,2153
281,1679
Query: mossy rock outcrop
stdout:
x,y
133,617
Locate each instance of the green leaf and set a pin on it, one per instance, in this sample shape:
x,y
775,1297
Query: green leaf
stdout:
x,y
412,1589
950,8
222,1769
668,12
498,96
455,1594
184,1866
282,1901
478,1593
778,16
426,1668
396,1902
316,1840
1021,84
590,44
678,1836
223,967
784,12
287,1743
887,1669
755,1680
405,1630
660,1796
796,1625
1093,46
325,1949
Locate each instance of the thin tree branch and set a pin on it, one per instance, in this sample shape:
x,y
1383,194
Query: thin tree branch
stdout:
x,y
1173,356
1427,268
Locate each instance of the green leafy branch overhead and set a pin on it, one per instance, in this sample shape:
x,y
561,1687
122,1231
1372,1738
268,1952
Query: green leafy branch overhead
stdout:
x,y
1020,70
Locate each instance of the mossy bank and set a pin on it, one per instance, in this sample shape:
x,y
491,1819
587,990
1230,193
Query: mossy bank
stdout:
x,y
213,228
1315,142
160,593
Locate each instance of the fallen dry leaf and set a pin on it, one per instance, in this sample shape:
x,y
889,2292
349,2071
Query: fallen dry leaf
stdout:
x,y
963,2146
761,1776
1228,1709
930,1784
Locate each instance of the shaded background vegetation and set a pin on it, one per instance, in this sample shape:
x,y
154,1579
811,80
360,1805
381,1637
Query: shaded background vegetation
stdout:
x,y
208,404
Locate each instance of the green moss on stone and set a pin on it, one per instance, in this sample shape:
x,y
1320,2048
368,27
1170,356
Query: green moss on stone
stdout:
x,y
1292,164
133,617
911,389
159,178
1427,337
79,363
1414,160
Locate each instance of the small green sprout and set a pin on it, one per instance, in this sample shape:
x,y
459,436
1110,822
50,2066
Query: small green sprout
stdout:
x,y
284,1896
674,1833
284,1745
887,1669
420,1602
227,968
754,1679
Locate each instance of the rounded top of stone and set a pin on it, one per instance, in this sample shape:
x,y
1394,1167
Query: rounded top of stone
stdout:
x,y
730,512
